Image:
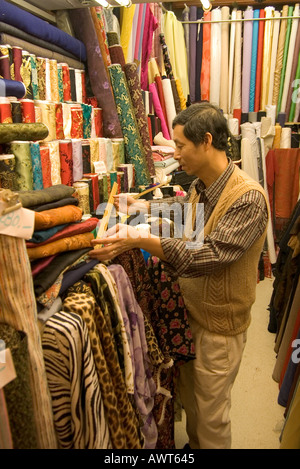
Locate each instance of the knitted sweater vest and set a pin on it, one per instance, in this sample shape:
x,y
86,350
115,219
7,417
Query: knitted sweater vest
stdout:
x,y
221,302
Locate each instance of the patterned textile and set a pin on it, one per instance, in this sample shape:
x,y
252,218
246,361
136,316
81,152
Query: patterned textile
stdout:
x,y
135,91
133,144
18,309
18,395
76,396
23,168
121,418
171,324
49,218
8,179
72,243
24,132
144,385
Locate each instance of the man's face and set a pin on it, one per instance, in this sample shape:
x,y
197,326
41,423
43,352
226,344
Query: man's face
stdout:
x,y
189,156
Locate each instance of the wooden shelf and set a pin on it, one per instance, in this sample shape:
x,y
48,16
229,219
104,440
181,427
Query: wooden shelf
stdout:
x,y
235,4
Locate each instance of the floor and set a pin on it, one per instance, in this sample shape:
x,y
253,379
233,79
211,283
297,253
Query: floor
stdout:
x,y
256,417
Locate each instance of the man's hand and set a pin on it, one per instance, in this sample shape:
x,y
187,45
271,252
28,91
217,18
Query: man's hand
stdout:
x,y
127,204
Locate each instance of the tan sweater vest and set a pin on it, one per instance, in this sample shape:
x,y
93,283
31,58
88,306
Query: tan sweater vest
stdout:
x,y
221,302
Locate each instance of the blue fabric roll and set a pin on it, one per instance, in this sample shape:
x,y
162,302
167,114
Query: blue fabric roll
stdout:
x,y
12,88
36,166
253,61
11,14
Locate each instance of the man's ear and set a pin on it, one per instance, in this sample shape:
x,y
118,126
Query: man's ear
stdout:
x,y
208,139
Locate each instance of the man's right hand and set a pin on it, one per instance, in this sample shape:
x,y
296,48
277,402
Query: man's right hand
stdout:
x,y
127,204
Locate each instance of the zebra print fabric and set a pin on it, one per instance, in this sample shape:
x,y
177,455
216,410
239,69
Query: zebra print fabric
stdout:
x,y
73,383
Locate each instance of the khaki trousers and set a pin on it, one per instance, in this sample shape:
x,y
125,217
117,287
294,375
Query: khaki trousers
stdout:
x,y
205,385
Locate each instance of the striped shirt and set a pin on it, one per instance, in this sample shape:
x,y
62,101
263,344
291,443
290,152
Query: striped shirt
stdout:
x,y
236,231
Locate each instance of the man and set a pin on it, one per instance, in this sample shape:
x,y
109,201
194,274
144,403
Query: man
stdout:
x,y
217,278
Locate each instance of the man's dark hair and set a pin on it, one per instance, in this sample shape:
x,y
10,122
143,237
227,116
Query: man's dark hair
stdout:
x,y
204,117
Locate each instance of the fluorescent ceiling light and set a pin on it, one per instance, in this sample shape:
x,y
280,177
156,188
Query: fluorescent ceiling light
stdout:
x,y
124,3
206,5
103,3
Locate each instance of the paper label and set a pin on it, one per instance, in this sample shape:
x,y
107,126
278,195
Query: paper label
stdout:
x,y
19,223
99,167
7,368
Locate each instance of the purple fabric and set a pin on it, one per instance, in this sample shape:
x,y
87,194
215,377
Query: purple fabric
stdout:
x,y
15,16
145,388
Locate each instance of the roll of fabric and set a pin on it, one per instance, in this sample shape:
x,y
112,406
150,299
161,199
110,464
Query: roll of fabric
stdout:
x,y
118,148
205,69
98,121
83,24
176,97
279,57
95,191
21,150
253,60
215,60
285,138
48,117
5,67
86,156
48,81
16,112
36,166
135,91
34,79
117,55
281,118
55,162
59,216
17,59
41,74
28,111
26,74
192,52
293,116
54,80
260,47
94,152
290,57
12,88
46,166
59,121
277,137
133,145
72,243
276,26
8,179
268,33
66,162
234,127
87,120
224,60
25,132
170,105
35,26
77,159
199,44
159,111
231,57
83,195
5,111
76,123
271,112
18,310
250,150
285,57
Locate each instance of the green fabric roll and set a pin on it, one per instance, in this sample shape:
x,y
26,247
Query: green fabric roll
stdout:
x,y
8,178
60,84
18,394
294,93
34,80
21,150
285,56
134,151
23,132
33,198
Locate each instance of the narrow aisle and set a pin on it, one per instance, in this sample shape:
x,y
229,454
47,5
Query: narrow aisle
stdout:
x,y
256,417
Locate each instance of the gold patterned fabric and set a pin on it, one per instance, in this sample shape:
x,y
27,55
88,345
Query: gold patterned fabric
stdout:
x,y
21,150
23,132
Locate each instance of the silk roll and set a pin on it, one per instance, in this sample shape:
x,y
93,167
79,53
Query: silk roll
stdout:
x,y
77,159
28,111
133,144
73,243
16,112
279,57
97,122
231,57
59,121
46,166
48,81
66,162
60,83
277,137
236,102
275,38
290,56
36,166
170,104
41,75
76,123
94,152
26,74
66,82
135,91
224,60
83,24
260,48
83,195
55,162
205,69
8,178
192,52
12,88
215,59
9,132
78,85
268,33
54,80
5,111
285,57
87,120
95,190
17,59
5,67
159,111
294,76
48,117
21,150
285,138
118,148
86,156
253,60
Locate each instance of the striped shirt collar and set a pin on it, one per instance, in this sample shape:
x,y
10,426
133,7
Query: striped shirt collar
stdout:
x,y
213,192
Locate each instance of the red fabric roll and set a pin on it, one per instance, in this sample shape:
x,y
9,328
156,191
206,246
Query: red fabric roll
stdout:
x,y
60,135
205,68
260,51
77,123
160,92
71,230
95,186
66,162
46,166
117,55
5,67
5,113
28,111
66,82
98,122
84,97
237,114
17,58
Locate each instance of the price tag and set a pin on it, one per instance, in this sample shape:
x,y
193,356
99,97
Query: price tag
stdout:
x,y
19,223
7,368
